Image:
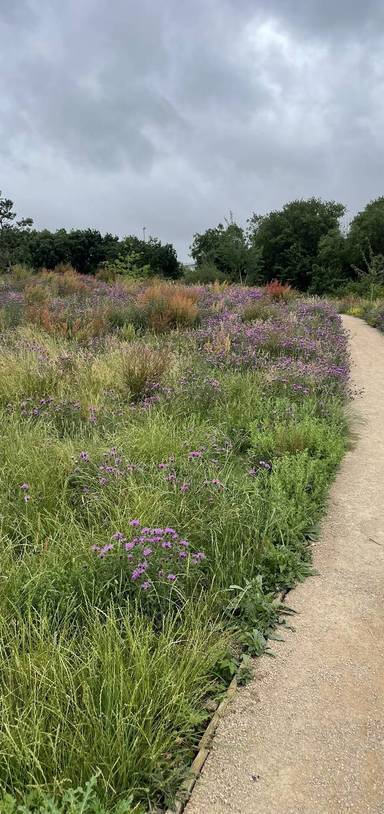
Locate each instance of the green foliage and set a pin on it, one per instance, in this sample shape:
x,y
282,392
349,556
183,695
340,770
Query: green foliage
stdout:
x,y
205,272
366,232
129,266
13,235
289,239
83,800
227,249
161,258
372,276
98,677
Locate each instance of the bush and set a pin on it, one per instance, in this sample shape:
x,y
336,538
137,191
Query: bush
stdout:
x,y
258,309
279,291
163,307
142,368
205,273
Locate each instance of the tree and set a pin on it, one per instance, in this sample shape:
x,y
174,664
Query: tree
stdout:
x,y
331,269
12,234
289,238
229,250
162,259
84,249
372,276
366,232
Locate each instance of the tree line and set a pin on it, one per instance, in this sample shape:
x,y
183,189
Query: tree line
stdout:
x,y
87,250
303,244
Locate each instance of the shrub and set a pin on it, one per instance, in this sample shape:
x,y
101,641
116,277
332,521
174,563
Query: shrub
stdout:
x,y
21,275
142,368
163,307
279,291
206,273
106,273
69,282
36,295
259,309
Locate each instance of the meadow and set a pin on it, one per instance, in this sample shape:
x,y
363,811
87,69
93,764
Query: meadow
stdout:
x,y
369,309
166,454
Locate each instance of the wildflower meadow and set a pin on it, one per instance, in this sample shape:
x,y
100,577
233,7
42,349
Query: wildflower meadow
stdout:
x,y
166,454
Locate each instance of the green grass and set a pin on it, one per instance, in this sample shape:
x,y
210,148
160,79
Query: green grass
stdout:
x,y
102,684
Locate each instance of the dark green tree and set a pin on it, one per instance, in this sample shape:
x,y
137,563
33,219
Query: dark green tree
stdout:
x,y
84,249
331,269
229,250
366,233
289,238
161,258
13,234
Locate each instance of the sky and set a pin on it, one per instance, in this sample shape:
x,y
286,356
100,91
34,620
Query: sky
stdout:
x,y
170,114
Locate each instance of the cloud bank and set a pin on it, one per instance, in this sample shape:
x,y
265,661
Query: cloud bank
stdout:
x,y
168,115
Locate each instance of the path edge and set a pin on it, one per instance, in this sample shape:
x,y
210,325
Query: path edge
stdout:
x,y
205,743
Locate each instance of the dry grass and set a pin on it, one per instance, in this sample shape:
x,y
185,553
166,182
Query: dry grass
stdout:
x,y
163,307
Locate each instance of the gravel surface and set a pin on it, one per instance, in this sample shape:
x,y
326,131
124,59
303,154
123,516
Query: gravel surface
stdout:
x,y
306,736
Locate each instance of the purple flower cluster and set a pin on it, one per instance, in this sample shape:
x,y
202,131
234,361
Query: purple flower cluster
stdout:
x,y
154,556
303,347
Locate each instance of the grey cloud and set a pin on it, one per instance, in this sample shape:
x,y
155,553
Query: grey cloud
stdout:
x,y
169,114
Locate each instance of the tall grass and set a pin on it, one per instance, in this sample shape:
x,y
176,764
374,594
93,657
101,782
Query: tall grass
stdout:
x,y
103,681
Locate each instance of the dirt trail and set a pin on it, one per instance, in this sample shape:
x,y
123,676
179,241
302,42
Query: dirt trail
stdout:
x,y
307,735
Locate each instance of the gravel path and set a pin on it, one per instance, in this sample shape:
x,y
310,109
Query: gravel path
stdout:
x,y
306,736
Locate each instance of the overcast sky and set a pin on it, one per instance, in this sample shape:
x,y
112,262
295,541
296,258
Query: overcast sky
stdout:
x,y
169,113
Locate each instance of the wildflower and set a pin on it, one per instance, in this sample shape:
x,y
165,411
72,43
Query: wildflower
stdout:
x,y
184,487
194,454
182,555
84,456
146,585
166,544
24,486
105,549
134,523
198,556
162,466
168,530
171,577
129,546
118,536
103,481
147,552
184,543
27,498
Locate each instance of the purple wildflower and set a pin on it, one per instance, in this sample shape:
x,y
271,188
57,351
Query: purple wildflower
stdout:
x,y
118,536
24,486
84,456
